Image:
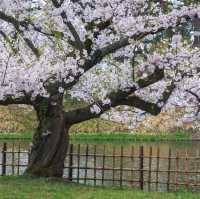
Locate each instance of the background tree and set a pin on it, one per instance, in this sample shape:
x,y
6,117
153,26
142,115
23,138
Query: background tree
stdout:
x,y
49,47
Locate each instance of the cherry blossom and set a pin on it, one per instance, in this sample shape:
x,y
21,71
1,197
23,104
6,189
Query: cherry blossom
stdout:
x,y
130,53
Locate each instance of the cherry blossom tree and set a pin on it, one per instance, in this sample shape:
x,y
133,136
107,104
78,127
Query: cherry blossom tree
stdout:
x,y
100,51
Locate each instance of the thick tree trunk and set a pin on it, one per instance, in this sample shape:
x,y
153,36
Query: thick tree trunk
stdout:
x,y
50,142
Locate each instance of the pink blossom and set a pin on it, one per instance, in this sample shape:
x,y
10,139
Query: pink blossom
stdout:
x,y
154,59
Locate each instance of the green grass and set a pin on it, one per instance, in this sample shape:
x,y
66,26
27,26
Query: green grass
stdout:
x,y
130,137
27,188
110,137
20,136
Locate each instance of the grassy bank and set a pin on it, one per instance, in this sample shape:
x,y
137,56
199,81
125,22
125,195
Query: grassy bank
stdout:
x,y
110,137
130,137
20,136
26,188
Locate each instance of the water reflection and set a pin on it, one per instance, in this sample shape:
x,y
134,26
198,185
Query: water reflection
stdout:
x,y
104,169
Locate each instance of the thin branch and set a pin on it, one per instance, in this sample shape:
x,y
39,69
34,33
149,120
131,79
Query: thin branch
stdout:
x,y
78,42
167,93
12,100
57,4
7,39
197,98
194,94
99,54
4,75
25,25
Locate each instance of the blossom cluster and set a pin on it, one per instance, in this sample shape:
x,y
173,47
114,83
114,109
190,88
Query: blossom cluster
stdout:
x,y
87,47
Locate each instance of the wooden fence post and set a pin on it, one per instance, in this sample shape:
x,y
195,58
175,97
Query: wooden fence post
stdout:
x,y
4,159
169,170
103,166
70,173
186,172
78,163
132,165
95,164
157,167
86,163
18,159
121,165
113,165
150,164
196,169
13,158
176,171
141,157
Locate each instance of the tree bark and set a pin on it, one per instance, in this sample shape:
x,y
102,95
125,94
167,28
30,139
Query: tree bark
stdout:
x,y
50,141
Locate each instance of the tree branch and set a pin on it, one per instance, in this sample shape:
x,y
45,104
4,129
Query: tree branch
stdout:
x,y
17,25
78,43
7,39
99,54
194,94
123,98
11,100
4,35
197,98
6,68
57,4
151,79
24,24
85,113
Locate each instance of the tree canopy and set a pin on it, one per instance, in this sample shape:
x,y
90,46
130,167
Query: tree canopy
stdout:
x,y
108,53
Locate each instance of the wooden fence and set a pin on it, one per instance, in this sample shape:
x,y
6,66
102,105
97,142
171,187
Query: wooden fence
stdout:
x,y
142,168
13,161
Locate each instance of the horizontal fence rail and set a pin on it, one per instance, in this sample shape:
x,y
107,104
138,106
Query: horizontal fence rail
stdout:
x,y
140,167
13,160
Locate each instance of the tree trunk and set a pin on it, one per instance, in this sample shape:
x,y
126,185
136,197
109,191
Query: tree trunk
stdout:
x,y
50,141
